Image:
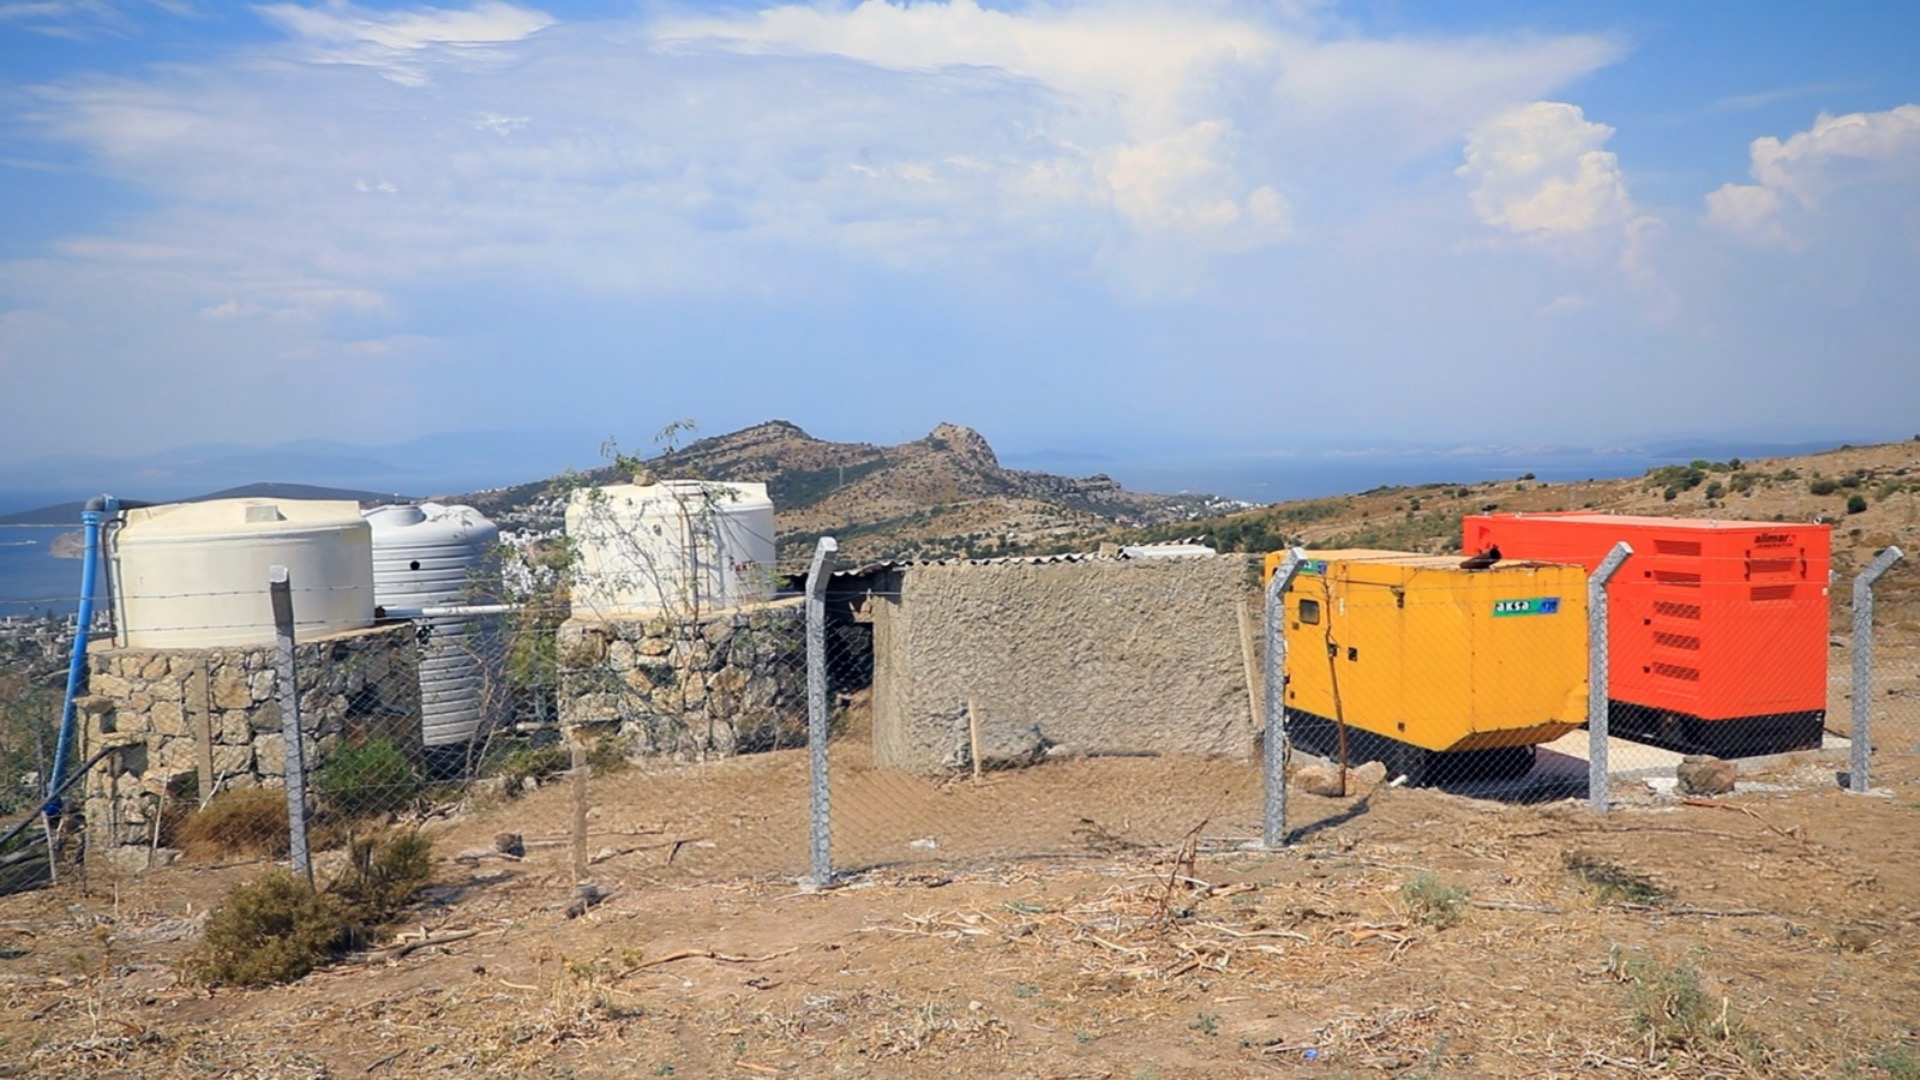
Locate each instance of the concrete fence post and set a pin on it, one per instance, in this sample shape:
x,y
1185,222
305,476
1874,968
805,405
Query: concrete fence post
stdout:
x,y
287,685
1273,834
1859,777
818,712
1597,669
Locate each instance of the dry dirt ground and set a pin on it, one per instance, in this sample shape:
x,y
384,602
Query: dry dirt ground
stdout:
x,y
1771,932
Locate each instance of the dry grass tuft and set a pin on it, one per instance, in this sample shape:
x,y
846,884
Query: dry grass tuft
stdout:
x,y
250,822
1672,1011
1433,902
1611,882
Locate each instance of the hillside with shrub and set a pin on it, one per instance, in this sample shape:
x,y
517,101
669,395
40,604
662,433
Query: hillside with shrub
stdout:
x,y
1869,494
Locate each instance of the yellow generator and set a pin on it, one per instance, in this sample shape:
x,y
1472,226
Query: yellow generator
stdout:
x,y
1436,670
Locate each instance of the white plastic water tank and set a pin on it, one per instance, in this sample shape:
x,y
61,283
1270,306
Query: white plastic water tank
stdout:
x,y
429,556
682,546
194,575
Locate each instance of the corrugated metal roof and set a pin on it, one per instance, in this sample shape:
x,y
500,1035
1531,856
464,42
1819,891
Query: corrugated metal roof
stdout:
x,y
886,565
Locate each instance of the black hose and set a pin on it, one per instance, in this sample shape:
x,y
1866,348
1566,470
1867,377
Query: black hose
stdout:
x,y
53,799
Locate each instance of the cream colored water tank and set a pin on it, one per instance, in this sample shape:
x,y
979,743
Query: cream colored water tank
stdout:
x,y
194,575
679,546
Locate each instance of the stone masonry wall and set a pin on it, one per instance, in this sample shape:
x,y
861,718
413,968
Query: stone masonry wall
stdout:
x,y
690,688
192,721
1099,655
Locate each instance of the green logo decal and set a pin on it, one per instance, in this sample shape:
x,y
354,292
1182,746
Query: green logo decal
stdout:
x,y
1537,605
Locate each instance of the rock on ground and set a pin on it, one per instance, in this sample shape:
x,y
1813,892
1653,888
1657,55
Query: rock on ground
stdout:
x,y
1704,774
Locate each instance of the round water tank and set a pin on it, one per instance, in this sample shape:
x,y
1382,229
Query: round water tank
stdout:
x,y
681,546
194,575
429,556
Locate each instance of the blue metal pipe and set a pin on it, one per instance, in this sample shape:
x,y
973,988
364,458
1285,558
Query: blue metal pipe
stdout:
x,y
96,513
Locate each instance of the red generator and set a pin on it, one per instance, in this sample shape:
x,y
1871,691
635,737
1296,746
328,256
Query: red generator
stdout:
x,y
1716,630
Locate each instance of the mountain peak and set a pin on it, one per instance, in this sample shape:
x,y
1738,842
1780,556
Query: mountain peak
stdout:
x,y
785,428
964,443
941,495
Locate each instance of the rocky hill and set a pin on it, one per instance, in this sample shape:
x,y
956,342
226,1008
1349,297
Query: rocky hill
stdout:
x,y
1870,494
945,494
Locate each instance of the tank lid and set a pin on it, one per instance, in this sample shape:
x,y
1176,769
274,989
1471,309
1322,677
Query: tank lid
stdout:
x,y
218,517
429,519
381,517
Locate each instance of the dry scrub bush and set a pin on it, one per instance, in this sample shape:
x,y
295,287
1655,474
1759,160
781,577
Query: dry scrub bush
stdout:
x,y
277,927
383,876
250,822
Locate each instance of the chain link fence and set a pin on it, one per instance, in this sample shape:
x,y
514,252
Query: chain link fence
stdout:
x,y
993,709
971,711
578,728
1064,707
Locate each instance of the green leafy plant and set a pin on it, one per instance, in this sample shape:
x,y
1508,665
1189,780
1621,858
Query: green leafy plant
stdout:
x,y
1432,901
518,761
373,777
1856,503
1681,477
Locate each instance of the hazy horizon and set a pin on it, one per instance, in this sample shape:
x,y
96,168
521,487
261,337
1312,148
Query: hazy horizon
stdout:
x,y
447,465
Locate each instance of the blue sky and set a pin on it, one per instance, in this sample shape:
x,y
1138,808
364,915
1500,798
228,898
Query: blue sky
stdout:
x,y
1131,227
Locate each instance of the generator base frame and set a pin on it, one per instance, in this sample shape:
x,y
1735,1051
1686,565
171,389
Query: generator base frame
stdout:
x,y
1746,736
1321,736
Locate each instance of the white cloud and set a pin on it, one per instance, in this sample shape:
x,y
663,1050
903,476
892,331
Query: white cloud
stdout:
x,y
1878,151
400,43
77,20
927,134
502,126
1749,209
1539,171
377,168
1180,183
1146,62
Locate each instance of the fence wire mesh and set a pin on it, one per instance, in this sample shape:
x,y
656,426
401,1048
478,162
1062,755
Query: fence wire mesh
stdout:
x,y
1008,709
659,739
1471,680
977,711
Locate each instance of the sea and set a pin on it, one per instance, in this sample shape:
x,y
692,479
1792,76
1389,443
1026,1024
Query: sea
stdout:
x,y
32,581
1271,479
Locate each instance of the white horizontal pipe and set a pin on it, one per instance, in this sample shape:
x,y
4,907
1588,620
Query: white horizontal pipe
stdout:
x,y
453,612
